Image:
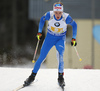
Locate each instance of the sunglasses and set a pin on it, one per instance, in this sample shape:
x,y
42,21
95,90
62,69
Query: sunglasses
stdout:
x,y
57,5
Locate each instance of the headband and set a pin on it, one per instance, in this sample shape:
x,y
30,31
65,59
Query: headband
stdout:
x,y
58,7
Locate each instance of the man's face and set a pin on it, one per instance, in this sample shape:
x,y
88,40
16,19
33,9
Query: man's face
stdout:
x,y
58,14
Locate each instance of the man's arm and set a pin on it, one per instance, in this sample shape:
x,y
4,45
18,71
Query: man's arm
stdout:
x,y
70,21
42,21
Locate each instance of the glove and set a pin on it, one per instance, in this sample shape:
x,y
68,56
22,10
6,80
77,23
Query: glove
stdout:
x,y
73,42
39,35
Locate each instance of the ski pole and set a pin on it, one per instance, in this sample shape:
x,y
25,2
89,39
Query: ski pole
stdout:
x,y
77,54
33,61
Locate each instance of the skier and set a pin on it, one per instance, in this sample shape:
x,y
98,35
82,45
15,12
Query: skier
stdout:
x,y
56,36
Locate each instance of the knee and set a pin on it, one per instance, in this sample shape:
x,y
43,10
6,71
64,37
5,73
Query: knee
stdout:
x,y
60,50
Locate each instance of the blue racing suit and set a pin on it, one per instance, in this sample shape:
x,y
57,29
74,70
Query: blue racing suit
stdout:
x,y
56,36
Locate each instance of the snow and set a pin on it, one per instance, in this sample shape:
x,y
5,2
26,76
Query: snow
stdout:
x,y
75,79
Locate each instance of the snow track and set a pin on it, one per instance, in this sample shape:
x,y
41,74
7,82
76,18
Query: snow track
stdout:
x,y
75,79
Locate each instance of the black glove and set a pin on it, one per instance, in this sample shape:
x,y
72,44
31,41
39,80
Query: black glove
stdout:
x,y
73,42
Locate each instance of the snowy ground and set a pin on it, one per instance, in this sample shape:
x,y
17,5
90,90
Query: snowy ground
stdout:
x,y
75,79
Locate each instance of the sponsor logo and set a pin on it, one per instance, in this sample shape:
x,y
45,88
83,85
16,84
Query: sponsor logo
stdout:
x,y
57,24
58,8
57,30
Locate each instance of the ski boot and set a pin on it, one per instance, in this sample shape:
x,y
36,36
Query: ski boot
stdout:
x,y
61,80
30,79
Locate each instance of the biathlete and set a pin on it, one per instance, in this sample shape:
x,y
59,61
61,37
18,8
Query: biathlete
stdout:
x,y
56,36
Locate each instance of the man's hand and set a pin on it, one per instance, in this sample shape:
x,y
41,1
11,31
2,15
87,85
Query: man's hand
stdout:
x,y
73,42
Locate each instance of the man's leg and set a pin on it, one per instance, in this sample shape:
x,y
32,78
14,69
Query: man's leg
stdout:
x,y
60,46
47,45
43,53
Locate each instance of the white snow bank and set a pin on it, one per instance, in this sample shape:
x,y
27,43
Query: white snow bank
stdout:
x,y
75,79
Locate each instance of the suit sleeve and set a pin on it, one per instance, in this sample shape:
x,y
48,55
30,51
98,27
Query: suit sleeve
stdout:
x,y
71,22
42,21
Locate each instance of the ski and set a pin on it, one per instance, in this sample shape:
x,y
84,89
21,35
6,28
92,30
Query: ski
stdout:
x,y
18,88
22,86
62,87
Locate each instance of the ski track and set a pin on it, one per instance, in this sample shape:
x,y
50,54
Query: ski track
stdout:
x,y
75,79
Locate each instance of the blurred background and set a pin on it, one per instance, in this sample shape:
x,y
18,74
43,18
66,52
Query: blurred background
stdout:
x,y
19,21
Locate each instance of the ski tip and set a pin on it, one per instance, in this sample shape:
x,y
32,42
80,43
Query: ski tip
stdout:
x,y
18,88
